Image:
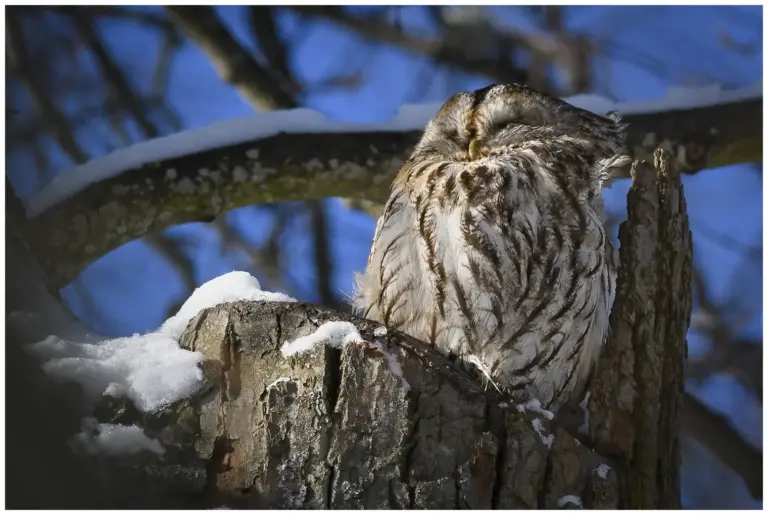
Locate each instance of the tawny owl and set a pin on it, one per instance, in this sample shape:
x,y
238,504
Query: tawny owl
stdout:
x,y
491,246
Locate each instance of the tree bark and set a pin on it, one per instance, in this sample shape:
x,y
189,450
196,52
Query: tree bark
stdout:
x,y
389,423
350,428
637,389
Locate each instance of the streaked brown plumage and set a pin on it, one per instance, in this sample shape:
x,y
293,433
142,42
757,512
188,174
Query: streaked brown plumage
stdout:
x,y
491,246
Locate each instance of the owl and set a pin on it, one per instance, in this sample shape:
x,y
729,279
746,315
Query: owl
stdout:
x,y
492,248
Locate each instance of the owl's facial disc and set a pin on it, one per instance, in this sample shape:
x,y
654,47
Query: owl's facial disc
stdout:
x,y
474,125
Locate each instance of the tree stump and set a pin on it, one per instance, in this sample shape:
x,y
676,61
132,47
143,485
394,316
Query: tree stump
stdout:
x,y
387,425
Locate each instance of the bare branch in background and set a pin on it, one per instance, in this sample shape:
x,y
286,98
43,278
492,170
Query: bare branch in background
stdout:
x,y
442,50
471,42
161,75
120,12
274,49
112,73
746,49
38,126
233,63
268,258
23,64
728,242
321,243
741,357
716,434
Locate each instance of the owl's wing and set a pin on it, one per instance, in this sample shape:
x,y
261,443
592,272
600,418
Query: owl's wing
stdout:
x,y
390,271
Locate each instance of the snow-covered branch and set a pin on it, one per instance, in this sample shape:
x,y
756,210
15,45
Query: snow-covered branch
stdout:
x,y
298,154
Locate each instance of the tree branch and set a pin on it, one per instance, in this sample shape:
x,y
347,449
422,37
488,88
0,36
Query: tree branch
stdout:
x,y
112,73
198,187
265,30
715,433
233,63
324,266
171,249
444,51
20,59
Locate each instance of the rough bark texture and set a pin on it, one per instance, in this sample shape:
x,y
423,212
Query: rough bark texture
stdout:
x,y
340,429
388,423
201,186
637,389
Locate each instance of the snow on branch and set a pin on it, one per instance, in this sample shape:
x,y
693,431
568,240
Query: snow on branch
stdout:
x,y
298,154
410,118
113,439
150,369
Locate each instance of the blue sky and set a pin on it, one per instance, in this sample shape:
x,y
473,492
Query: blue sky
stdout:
x,y
131,289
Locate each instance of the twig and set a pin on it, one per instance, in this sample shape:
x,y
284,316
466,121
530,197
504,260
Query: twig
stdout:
x,y
273,48
446,51
112,73
715,433
233,63
323,262
20,59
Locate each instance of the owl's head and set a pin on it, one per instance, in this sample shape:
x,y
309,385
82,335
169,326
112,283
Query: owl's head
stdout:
x,y
503,117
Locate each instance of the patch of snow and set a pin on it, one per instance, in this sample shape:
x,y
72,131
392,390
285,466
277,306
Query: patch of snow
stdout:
x,y
677,98
113,439
534,405
380,331
584,427
150,369
335,334
229,287
546,439
569,499
503,405
603,470
339,334
278,381
303,121
392,364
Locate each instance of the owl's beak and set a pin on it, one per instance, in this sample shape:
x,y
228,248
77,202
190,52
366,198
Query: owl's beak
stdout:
x,y
474,149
